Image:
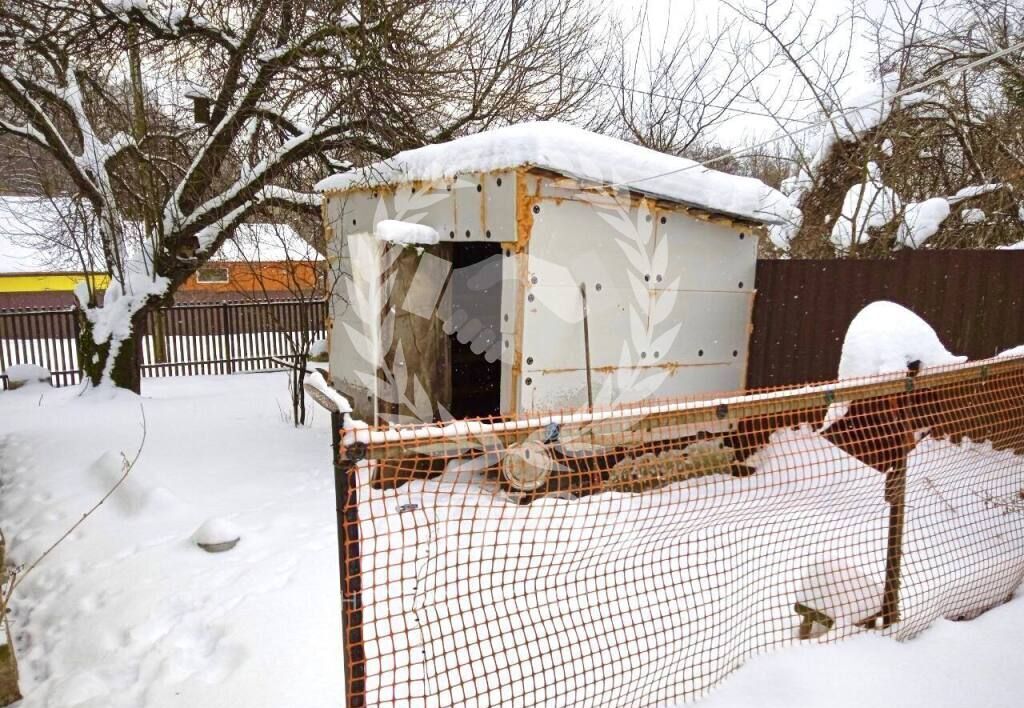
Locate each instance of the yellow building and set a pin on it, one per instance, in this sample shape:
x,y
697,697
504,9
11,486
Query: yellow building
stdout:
x,y
35,269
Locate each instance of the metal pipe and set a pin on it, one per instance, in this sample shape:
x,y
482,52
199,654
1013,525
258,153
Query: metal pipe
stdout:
x,y
586,346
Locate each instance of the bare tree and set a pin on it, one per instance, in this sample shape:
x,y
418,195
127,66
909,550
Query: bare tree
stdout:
x,y
281,260
671,89
889,165
192,117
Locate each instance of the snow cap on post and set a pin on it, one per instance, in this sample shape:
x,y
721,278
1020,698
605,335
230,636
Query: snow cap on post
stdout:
x,y
884,338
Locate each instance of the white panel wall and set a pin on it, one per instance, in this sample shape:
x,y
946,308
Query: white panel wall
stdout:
x,y
484,206
668,295
703,256
355,320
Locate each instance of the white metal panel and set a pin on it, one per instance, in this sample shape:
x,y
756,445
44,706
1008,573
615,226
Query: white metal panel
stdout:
x,y
355,351
510,288
482,205
568,389
647,338
361,210
610,244
511,291
421,203
499,207
695,328
697,255
553,332
468,203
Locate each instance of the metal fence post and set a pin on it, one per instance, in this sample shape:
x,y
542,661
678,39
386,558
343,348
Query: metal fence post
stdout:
x,y
346,493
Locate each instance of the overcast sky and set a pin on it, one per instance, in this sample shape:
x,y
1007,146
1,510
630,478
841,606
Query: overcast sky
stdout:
x,y
670,19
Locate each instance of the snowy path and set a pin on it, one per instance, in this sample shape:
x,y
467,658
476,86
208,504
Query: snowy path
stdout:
x,y
127,612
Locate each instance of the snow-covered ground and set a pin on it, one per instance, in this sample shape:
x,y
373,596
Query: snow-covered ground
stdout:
x,y
952,665
129,612
658,597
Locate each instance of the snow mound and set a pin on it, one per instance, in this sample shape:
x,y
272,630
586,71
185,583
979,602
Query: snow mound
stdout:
x,y
405,233
921,221
951,665
1015,351
870,205
578,153
842,590
867,108
132,497
976,190
972,215
885,338
216,530
24,374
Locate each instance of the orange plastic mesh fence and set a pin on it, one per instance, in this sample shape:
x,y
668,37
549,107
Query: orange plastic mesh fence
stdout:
x,y
637,555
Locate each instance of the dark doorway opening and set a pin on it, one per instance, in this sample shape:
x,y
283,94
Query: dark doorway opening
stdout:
x,y
475,329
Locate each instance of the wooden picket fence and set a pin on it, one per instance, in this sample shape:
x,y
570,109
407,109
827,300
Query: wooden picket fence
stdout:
x,y
183,340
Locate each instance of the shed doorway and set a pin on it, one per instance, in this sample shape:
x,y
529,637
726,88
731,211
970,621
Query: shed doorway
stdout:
x,y
474,330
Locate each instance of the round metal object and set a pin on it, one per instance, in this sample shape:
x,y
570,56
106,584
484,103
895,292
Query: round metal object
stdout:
x,y
526,467
219,547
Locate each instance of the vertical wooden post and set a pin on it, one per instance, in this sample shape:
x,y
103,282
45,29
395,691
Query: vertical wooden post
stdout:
x,y
159,334
895,494
346,491
226,315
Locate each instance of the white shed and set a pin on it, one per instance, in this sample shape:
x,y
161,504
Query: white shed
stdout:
x,y
538,267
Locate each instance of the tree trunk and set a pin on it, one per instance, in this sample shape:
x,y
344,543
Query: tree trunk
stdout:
x,y
126,371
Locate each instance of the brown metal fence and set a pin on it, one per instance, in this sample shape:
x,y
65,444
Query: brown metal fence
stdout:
x,y
637,555
183,340
973,299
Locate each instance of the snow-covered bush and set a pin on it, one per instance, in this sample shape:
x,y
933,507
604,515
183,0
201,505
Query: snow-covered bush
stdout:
x,y
19,375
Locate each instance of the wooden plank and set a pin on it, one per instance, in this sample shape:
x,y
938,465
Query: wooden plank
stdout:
x,y
608,425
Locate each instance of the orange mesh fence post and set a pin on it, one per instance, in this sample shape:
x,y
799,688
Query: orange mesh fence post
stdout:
x,y
637,554
346,495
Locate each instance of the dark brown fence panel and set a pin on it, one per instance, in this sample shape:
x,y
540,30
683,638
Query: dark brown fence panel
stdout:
x,y
226,337
184,340
973,299
43,337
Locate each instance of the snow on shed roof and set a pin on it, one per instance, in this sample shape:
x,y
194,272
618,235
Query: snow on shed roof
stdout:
x,y
577,153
